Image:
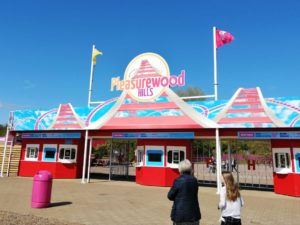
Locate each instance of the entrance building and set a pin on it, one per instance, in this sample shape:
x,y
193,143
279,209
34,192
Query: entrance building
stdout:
x,y
55,139
164,126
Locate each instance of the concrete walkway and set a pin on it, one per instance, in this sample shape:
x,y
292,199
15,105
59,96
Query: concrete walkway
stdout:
x,y
127,203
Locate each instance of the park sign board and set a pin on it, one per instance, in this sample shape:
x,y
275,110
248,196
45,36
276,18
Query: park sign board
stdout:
x,y
64,135
153,135
269,135
146,77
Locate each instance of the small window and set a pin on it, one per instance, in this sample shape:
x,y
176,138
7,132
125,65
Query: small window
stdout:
x,y
154,156
32,152
73,153
140,156
61,153
282,160
276,160
296,160
288,162
175,155
49,153
182,155
67,153
170,156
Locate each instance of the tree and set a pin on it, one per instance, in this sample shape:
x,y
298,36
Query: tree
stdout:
x,y
190,91
103,150
3,130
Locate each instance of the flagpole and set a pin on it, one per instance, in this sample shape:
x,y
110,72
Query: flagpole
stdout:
x,y
218,144
215,64
91,79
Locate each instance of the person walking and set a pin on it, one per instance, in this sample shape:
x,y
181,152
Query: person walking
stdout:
x,y
184,193
212,165
233,165
231,201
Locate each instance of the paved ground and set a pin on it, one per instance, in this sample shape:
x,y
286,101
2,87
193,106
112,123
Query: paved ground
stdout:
x,y
118,202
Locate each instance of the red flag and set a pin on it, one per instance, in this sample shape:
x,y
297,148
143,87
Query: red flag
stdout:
x,y
223,37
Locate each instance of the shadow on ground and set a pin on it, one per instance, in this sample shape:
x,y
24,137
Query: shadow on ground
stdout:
x,y
104,176
55,204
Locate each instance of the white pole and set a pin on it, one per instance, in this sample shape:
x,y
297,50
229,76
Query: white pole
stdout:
x,y
91,79
9,157
84,156
215,64
218,156
4,150
218,147
90,154
110,159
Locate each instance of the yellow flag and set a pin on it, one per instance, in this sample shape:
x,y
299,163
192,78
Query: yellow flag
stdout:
x,y
94,54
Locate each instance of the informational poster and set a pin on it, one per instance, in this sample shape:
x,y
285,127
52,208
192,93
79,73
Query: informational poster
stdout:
x,y
153,135
269,135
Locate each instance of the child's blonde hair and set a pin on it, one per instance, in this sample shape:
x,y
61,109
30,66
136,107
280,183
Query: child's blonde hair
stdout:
x,y
232,189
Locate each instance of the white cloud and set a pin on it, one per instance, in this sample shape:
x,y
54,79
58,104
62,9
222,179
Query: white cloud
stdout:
x,y
7,106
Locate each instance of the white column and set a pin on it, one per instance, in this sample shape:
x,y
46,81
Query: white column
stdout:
x,y
90,154
4,150
110,159
9,157
218,161
84,156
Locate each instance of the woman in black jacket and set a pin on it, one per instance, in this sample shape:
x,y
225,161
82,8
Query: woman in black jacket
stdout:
x,y
184,193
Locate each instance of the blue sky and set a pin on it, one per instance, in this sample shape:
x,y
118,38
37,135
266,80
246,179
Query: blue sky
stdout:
x,y
45,46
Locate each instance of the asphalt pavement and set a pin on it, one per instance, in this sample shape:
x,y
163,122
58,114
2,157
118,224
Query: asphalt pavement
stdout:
x,y
104,202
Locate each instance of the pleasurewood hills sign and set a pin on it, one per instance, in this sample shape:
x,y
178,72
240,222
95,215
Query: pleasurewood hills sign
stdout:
x,y
146,78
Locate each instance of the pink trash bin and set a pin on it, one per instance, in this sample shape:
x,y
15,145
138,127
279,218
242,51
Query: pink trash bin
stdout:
x,y
41,189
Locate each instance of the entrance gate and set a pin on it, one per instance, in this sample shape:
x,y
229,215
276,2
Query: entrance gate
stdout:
x,y
249,161
113,159
122,157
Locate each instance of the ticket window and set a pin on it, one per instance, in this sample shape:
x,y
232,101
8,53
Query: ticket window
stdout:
x,y
32,152
297,159
67,153
154,156
282,160
49,152
175,154
139,156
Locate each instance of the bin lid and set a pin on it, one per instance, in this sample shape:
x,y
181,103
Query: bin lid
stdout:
x,y
43,175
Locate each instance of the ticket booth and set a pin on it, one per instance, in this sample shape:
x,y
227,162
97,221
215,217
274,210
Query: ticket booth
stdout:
x,y
157,160
286,164
297,160
61,153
